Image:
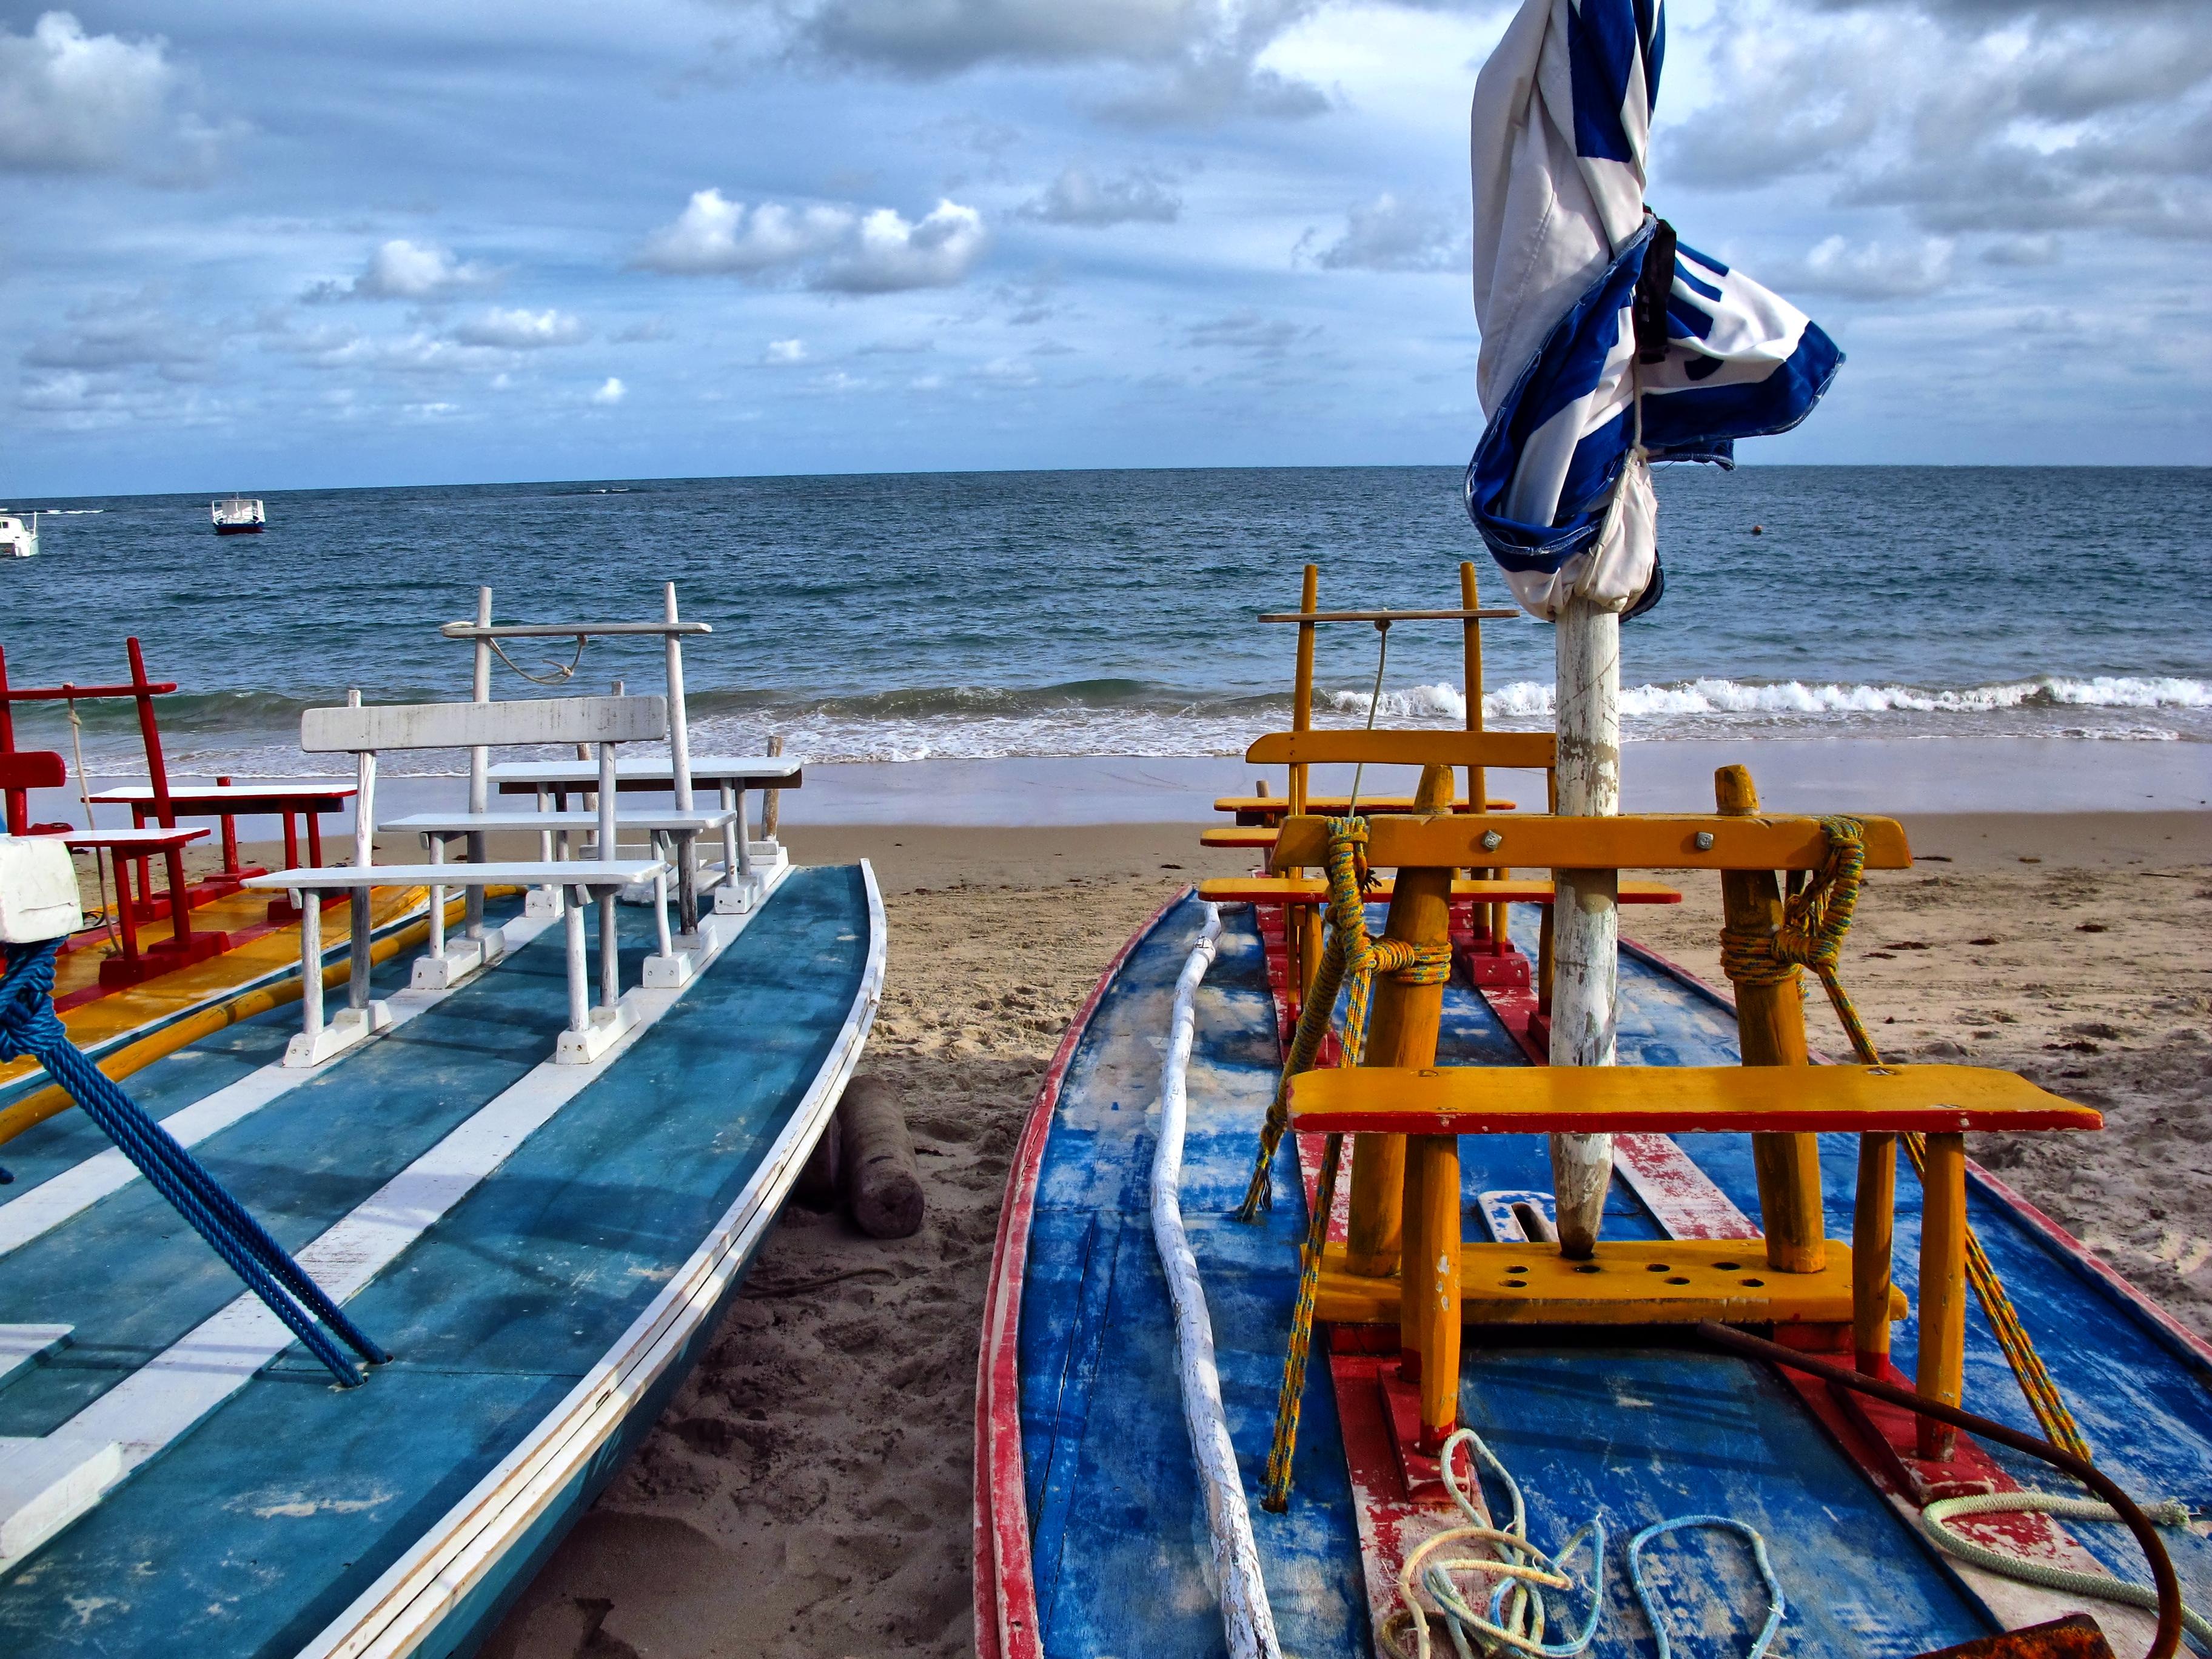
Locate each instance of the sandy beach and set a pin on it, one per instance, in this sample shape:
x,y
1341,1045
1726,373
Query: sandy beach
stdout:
x,y
807,1494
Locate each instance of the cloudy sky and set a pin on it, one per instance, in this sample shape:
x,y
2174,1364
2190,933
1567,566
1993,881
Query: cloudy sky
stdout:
x,y
264,244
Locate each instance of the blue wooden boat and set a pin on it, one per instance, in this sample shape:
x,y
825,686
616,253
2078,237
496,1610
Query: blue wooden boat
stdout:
x,y
1165,1467
539,1319
1092,1532
538,1209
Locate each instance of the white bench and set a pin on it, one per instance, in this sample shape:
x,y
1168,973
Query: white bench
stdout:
x,y
365,732
740,880
668,834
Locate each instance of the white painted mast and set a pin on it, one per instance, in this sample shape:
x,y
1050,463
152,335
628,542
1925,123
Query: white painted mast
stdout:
x,y
1585,908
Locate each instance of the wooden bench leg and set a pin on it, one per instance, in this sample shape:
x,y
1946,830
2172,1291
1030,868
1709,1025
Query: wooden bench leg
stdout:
x,y
1771,1027
1429,1286
1941,1371
311,964
1873,1225
1401,1030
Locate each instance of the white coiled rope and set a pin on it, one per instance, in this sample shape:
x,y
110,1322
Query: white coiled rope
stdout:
x,y
1247,1620
2097,1585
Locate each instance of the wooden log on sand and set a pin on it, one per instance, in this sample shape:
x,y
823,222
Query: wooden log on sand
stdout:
x,y
881,1182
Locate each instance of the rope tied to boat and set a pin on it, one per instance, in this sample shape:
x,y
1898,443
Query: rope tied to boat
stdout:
x,y
1814,922
29,1025
1347,954
2104,1587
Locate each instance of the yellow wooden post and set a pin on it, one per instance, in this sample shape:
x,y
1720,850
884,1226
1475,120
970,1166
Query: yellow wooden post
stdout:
x,y
1547,948
1771,1028
1401,1030
1872,1222
1302,925
1941,1374
1429,1287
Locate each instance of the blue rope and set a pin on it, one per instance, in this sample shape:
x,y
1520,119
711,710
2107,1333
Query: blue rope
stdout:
x,y
1776,1608
28,1025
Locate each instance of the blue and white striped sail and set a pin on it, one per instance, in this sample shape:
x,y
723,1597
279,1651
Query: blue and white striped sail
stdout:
x,y
1560,485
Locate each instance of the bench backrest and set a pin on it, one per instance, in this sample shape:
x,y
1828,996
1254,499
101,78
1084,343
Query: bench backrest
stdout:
x,y
1637,841
1339,747
483,724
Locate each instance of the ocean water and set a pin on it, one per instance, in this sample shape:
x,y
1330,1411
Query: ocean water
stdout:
x,y
988,615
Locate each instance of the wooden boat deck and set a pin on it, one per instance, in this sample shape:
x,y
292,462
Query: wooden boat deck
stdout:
x,y
545,1314
1594,1427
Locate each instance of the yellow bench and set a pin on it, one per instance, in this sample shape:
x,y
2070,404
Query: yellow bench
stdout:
x,y
1310,891
1666,1099
1268,808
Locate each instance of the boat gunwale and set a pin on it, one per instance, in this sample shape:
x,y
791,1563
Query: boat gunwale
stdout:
x,y
1004,1571
461,1550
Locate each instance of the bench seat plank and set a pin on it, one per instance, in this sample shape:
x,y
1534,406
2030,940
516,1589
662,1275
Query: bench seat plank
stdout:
x,y
1676,1099
752,770
153,838
1276,807
1313,890
462,823
573,872
1642,840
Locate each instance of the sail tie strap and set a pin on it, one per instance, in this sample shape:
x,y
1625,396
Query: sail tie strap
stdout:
x,y
28,1025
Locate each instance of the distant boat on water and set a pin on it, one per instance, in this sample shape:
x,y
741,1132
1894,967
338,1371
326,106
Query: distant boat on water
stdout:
x,y
238,515
19,538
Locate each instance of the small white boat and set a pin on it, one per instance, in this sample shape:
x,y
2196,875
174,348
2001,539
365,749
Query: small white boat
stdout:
x,y
237,515
19,537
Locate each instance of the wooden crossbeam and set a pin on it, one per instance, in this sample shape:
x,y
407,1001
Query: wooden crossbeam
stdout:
x,y
1314,890
1461,1100
1641,841
1277,806
1626,1282
1353,747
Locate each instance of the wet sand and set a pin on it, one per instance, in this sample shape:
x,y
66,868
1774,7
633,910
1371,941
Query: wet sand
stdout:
x,y
808,1492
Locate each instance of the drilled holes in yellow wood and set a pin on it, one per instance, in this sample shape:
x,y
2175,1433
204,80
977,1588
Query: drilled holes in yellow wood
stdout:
x,y
1626,1282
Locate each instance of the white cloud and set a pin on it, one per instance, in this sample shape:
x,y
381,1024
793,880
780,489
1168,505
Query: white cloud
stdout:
x,y
402,270
889,254
1078,197
1979,115
1253,334
713,235
73,102
836,248
2041,250
785,351
1195,60
611,391
521,330
123,333
1870,271
1391,234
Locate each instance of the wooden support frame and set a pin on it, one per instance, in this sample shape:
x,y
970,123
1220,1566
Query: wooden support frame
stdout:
x,y
1654,841
1771,1031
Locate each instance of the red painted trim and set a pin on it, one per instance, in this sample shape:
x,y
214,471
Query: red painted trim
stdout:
x,y
1006,1580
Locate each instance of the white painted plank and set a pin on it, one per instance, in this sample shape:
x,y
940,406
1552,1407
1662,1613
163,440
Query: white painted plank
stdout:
x,y
470,724
586,873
